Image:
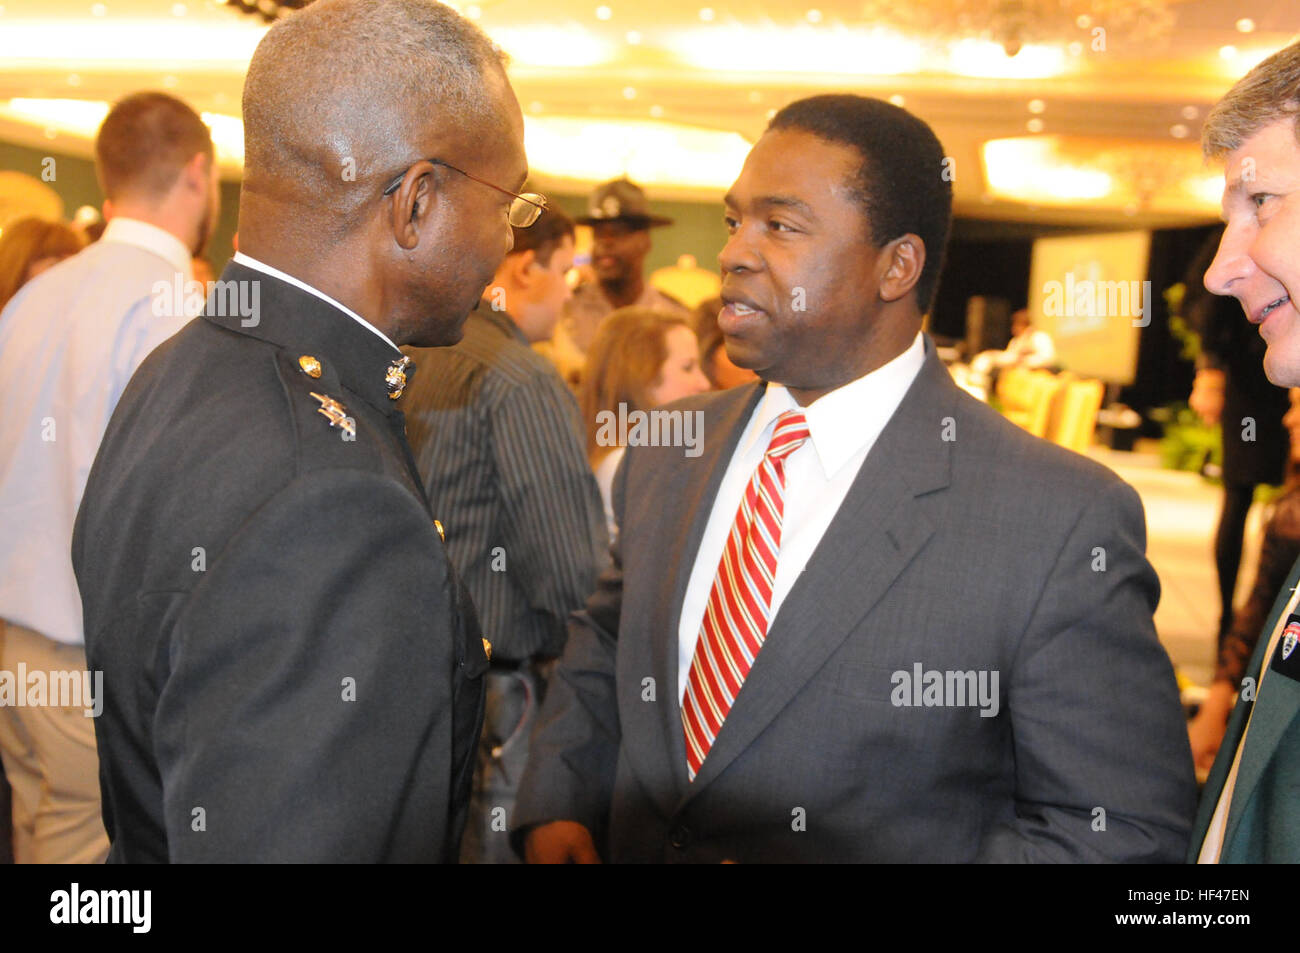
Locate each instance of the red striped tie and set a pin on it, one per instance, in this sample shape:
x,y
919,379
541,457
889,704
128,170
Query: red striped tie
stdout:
x,y
735,621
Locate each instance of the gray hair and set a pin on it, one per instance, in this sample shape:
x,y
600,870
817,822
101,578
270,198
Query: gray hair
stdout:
x,y
1269,92
338,95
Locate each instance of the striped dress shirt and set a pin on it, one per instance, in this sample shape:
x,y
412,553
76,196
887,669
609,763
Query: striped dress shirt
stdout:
x,y
499,442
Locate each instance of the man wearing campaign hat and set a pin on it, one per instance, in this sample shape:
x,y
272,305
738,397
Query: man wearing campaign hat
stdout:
x,y
620,220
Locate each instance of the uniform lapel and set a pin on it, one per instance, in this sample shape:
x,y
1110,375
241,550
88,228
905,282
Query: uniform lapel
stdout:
x,y
875,534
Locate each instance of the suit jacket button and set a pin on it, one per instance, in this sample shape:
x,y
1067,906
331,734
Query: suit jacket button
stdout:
x,y
680,837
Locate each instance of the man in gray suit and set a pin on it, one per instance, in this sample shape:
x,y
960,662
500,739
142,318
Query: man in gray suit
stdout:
x,y
960,663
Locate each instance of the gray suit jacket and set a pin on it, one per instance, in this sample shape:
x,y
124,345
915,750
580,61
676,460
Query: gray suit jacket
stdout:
x,y
989,551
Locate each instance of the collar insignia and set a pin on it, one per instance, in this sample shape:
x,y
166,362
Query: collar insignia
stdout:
x,y
395,377
336,414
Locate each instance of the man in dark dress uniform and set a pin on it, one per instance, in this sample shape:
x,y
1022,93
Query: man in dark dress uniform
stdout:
x,y
292,669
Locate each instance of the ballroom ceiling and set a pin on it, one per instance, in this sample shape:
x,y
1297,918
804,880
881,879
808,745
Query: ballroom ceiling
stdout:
x,y
1094,119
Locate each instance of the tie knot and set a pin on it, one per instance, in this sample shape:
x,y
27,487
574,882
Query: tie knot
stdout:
x,y
790,433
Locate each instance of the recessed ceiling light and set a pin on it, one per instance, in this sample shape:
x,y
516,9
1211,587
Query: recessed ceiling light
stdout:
x,y
1245,25
633,37
98,10
604,13
74,79
706,14
179,10
656,111
474,11
1074,48
1034,125
1228,52
1036,106
1190,112
813,16
898,100
1083,21
1178,131
629,92
755,96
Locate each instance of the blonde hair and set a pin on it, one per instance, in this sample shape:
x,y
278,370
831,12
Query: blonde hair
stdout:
x,y
1269,92
623,364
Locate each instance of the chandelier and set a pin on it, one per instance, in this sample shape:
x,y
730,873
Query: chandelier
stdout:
x,y
268,10
1014,23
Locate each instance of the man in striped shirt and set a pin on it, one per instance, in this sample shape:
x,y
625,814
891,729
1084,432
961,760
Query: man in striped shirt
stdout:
x,y
499,443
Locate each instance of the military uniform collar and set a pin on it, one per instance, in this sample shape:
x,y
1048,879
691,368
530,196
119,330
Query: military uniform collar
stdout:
x,y
500,320
322,335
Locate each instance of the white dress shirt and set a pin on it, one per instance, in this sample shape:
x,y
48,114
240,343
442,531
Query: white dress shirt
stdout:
x,y
261,266
843,427
605,471
69,342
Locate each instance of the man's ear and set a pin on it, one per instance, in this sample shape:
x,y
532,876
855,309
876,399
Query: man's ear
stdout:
x,y
197,174
520,268
413,204
903,260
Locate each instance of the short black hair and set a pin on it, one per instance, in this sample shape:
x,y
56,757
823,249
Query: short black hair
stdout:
x,y
904,184
544,236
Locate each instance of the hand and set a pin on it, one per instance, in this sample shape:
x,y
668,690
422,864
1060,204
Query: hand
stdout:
x,y
1206,730
1207,395
560,842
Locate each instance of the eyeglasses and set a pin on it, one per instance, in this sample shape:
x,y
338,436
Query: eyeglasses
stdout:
x,y
524,210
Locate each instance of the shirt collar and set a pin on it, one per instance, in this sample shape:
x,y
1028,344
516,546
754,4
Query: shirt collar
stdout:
x,y
250,262
132,231
500,320
842,422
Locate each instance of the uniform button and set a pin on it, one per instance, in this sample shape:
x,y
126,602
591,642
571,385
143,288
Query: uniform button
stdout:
x,y
680,837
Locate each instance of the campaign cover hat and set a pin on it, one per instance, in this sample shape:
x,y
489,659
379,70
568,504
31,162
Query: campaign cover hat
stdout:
x,y
620,201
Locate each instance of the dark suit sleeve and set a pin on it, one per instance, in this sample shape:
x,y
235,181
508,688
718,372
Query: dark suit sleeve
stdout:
x,y
307,713
1103,765
574,750
553,523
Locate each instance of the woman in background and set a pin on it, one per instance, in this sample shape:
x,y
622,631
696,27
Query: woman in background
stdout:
x,y
722,374
639,359
28,247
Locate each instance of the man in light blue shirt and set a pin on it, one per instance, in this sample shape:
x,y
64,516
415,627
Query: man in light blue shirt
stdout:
x,y
69,342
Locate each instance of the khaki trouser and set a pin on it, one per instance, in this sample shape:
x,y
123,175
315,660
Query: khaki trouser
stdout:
x,y
50,759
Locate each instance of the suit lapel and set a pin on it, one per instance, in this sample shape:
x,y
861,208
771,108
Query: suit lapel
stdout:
x,y
663,753
1273,712
874,535
1218,776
